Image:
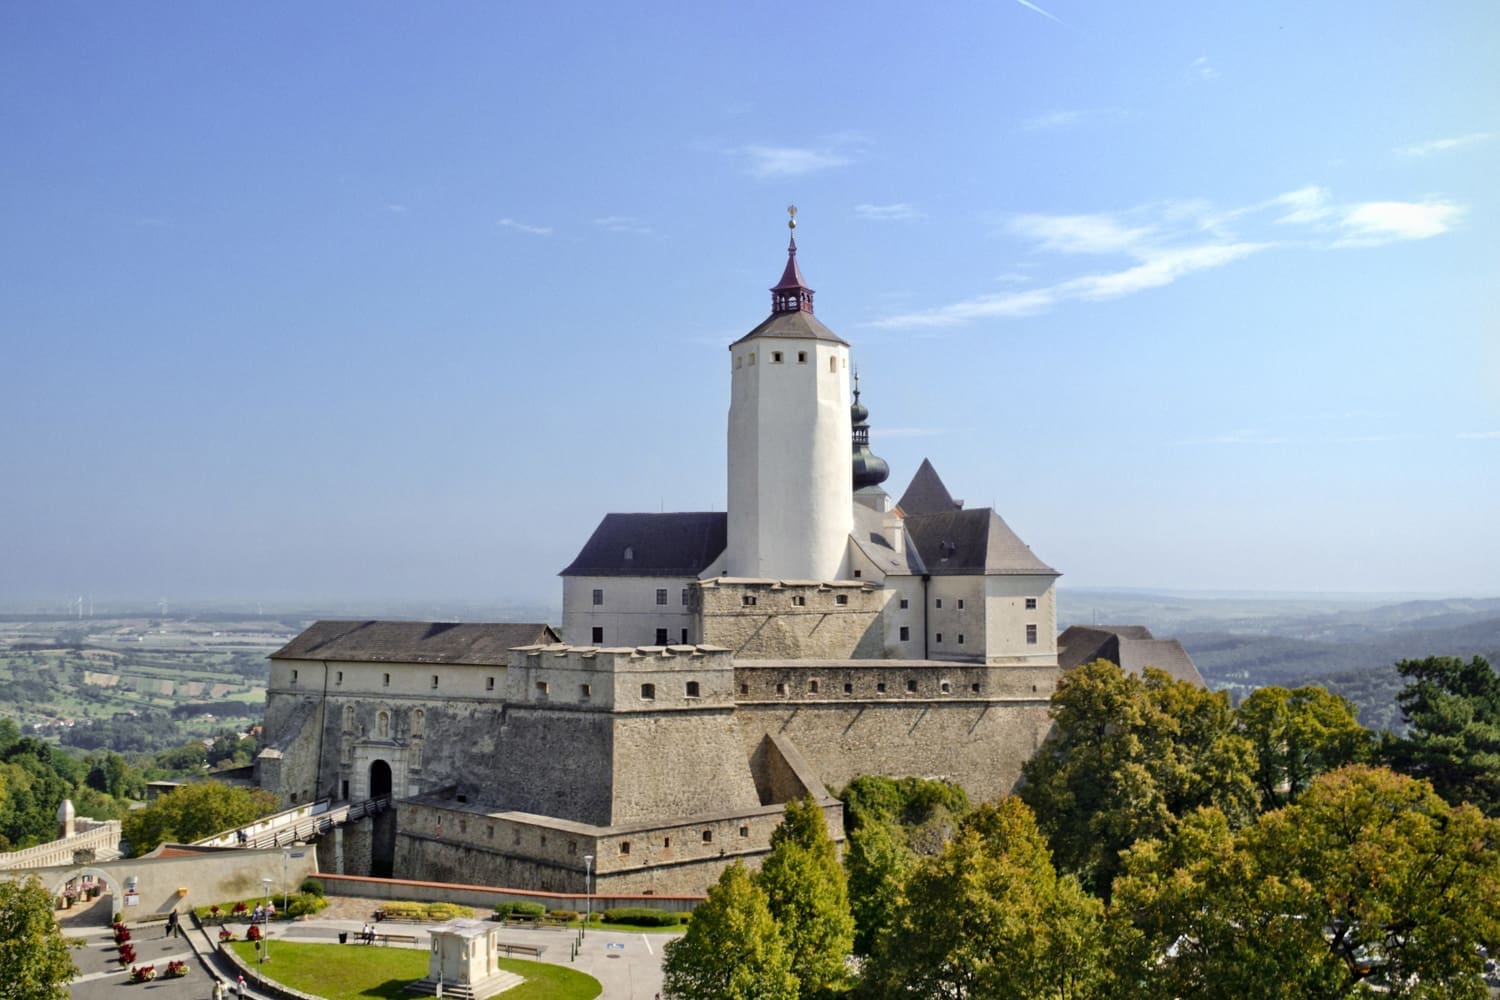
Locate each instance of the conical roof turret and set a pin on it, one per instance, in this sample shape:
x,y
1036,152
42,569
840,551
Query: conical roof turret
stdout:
x,y
791,293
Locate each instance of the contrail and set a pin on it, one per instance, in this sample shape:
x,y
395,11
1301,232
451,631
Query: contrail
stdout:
x,y
1031,6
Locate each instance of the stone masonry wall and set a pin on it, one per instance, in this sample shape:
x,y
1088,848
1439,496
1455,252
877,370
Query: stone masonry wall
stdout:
x,y
763,619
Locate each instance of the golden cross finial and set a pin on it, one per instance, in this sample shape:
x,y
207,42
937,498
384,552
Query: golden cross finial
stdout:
x,y
791,210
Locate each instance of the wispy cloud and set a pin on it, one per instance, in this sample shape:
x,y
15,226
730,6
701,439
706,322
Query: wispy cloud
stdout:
x,y
624,224
1031,6
896,212
1435,146
1159,244
793,161
1201,69
522,227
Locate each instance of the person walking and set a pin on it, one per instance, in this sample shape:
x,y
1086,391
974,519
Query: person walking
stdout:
x,y
218,988
239,988
171,924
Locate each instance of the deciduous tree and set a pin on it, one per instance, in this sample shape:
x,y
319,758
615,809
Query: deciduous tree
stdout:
x,y
191,812
1297,736
34,959
808,895
732,949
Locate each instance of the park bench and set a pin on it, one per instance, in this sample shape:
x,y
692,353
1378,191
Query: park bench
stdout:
x,y
383,938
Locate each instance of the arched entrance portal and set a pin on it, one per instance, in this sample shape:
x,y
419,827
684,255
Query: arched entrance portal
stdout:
x,y
383,832
380,779
82,908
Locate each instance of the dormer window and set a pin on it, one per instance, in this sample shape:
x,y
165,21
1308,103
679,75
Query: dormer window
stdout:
x,y
629,553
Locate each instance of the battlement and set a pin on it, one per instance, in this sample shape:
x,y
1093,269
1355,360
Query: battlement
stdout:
x,y
620,678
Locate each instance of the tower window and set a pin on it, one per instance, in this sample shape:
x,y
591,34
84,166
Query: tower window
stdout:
x,y
708,836
938,603
584,691
905,604
661,637
911,686
960,638
858,574
434,681
648,692
1031,604
738,361
960,604
684,596
744,689
748,600
661,595
848,688
939,637
692,689
629,553
833,365
880,688
1031,635
841,599
945,687
387,681
801,357
624,847
541,687
812,687
775,357
597,633
489,683
598,597
294,676
752,357
905,633
780,688
974,687
799,601
340,679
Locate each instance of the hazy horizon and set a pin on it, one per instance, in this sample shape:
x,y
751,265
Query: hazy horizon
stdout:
x,y
298,302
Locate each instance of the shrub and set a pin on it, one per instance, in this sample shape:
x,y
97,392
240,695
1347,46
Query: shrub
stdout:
x,y
641,916
225,934
399,910
519,908
305,904
142,973
176,969
311,886
563,914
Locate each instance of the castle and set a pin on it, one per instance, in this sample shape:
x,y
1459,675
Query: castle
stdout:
x,y
716,664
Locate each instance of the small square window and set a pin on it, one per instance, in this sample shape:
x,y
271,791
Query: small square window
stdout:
x,y
960,638
624,847
801,357
974,687
744,831
848,688
780,688
798,601
858,573
708,836
661,637
938,637
744,689
648,692
905,633
945,687
840,598
692,689
598,598
661,595
597,634
489,683
775,357
585,691
747,600
1031,604
938,603
911,686
904,604
541,687
1031,635
812,687
880,688
960,604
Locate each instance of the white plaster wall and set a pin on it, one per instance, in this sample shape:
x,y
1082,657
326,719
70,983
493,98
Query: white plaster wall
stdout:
x,y
790,491
1007,617
629,615
913,616
956,630
388,680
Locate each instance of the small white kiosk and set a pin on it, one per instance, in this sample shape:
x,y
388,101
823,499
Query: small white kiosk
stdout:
x,y
462,963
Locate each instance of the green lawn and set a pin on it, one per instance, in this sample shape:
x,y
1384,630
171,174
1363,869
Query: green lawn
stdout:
x,y
349,972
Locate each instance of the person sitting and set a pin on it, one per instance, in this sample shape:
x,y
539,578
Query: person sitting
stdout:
x,y
257,914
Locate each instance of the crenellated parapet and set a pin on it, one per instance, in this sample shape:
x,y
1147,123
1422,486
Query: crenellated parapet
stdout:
x,y
621,679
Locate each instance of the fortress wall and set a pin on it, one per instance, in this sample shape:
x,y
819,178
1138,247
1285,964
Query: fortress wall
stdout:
x,y
556,762
979,743
776,627
679,764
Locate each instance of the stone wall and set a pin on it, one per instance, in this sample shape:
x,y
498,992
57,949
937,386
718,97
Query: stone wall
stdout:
x,y
769,619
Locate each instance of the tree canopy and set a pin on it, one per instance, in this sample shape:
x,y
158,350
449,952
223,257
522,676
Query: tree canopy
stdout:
x,y
732,949
191,812
1297,735
1369,880
808,896
34,959
1453,712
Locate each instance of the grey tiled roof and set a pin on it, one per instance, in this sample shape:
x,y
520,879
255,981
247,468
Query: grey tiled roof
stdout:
x,y
927,494
972,542
678,544
869,535
797,325
1131,647
414,642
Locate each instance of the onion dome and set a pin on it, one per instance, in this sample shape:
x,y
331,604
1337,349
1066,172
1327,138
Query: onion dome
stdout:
x,y
869,469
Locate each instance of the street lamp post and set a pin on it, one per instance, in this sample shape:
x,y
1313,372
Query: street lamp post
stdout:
x,y
284,855
588,889
265,927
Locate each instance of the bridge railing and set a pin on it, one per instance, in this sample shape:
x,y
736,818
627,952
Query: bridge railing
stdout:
x,y
298,824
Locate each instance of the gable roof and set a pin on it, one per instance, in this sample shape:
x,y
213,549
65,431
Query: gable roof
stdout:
x,y
414,642
1131,647
926,494
972,542
677,544
870,538
799,325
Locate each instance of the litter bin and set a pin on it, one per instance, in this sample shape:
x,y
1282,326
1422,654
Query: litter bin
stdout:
x,y
343,937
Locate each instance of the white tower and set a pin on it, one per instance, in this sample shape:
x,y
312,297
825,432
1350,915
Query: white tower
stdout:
x,y
790,471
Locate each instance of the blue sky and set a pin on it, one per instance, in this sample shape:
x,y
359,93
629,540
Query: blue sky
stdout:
x,y
396,301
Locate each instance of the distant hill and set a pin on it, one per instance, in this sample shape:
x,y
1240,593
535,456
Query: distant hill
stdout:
x,y
1346,644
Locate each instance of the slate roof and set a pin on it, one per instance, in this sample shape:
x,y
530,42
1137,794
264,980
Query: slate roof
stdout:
x,y
972,542
483,643
927,494
678,544
1131,647
869,536
798,325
